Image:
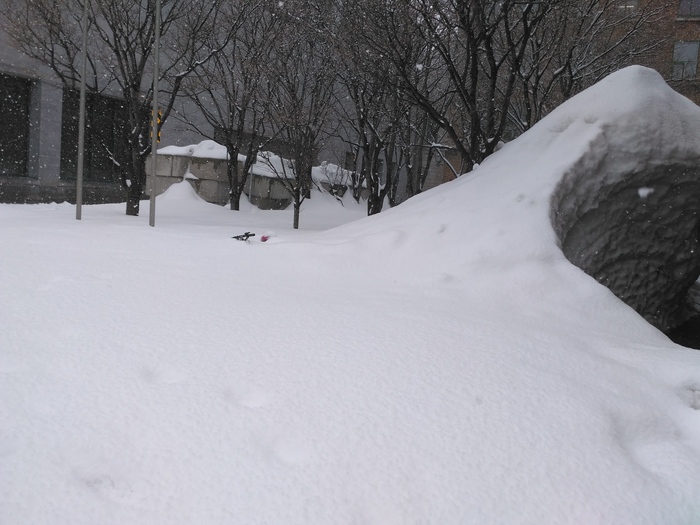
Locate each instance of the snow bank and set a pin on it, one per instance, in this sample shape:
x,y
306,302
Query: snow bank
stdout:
x,y
442,363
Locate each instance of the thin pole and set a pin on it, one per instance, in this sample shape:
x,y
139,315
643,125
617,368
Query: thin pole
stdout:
x,y
154,135
81,119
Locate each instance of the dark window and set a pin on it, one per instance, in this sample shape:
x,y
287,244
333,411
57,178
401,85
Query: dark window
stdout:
x,y
105,127
349,163
689,8
14,132
685,60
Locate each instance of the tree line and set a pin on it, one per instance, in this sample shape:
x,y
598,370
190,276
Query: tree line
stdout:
x,y
403,83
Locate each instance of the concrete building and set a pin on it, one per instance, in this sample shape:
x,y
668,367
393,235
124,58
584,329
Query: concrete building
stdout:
x,y
30,137
39,135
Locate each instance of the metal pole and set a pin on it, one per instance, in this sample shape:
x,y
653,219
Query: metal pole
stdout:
x,y
81,119
154,135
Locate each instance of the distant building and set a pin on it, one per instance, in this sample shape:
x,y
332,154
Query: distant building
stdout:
x,y
677,56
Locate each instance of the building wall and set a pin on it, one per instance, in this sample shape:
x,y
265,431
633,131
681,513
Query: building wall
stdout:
x,y
44,126
676,29
42,181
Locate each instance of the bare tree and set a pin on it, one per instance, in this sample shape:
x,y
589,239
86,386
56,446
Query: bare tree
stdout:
x,y
391,138
372,125
230,90
580,42
466,55
422,143
484,70
301,90
120,48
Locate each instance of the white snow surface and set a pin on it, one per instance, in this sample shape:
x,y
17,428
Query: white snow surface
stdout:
x,y
440,363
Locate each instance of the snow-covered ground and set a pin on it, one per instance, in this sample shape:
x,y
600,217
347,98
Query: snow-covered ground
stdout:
x,y
441,363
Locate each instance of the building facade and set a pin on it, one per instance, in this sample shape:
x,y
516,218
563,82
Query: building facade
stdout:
x,y
39,135
676,57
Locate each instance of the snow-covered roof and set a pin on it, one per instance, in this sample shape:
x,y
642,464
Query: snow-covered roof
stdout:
x,y
267,164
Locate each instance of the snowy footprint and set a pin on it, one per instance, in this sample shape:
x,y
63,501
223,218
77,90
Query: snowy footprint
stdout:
x,y
690,394
163,375
104,482
653,441
248,396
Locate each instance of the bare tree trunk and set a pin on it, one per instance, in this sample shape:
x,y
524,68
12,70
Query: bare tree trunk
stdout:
x,y
133,200
135,184
297,205
374,204
232,172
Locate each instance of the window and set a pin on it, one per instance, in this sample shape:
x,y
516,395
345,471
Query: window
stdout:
x,y
689,8
685,60
14,133
105,125
349,163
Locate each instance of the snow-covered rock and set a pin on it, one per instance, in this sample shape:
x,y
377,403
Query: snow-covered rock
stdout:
x,y
628,211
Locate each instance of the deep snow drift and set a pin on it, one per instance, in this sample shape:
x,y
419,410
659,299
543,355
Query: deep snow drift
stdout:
x,y
439,363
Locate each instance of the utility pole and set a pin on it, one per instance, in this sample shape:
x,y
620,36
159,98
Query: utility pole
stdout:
x,y
154,123
81,119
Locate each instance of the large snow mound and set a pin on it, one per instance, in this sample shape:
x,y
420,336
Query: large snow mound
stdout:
x,y
440,363
628,211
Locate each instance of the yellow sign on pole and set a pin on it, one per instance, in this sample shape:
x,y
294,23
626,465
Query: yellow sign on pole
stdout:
x,y
160,116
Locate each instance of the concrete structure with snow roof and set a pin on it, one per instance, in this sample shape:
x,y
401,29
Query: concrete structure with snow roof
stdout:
x,y
204,165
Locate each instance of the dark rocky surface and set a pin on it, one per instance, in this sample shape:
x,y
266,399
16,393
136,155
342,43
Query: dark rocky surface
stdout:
x,y
638,233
